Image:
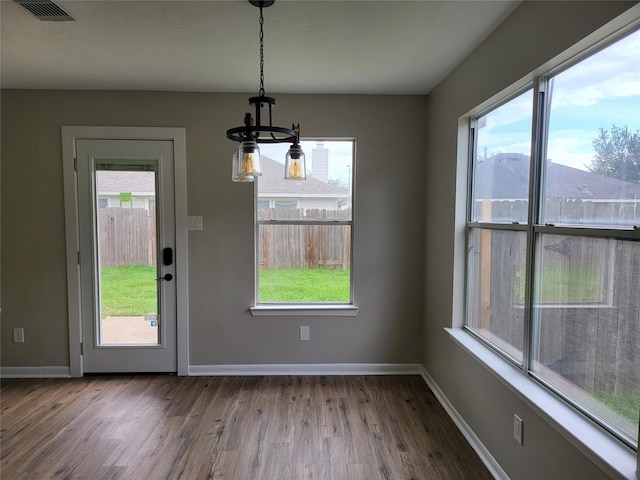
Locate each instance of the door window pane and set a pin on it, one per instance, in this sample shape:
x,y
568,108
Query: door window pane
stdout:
x,y
127,252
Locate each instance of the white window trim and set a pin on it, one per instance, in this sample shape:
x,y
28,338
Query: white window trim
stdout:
x,y
307,310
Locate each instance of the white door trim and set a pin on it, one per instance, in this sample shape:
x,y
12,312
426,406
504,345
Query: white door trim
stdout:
x,y
178,135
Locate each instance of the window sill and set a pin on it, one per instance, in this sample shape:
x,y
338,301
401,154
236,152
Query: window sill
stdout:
x,y
611,455
304,310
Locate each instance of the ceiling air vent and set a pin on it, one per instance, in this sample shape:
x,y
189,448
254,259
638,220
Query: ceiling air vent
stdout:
x,y
45,10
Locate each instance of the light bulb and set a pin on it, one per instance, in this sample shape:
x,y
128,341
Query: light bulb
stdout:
x,y
249,159
237,175
248,164
294,164
295,170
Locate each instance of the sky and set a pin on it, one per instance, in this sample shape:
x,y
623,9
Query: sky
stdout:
x,y
598,92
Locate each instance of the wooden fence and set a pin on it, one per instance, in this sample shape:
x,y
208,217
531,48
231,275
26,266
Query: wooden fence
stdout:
x,y
565,211
127,236
588,322
304,246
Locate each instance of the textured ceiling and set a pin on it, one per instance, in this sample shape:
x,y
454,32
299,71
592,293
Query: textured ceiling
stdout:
x,y
321,46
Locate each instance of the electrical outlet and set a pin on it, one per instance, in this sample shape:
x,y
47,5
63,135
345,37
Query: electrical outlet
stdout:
x,y
18,335
517,428
304,333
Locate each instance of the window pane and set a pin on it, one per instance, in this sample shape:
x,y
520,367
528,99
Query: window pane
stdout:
x,y
593,156
496,287
126,235
325,194
587,313
502,162
304,263
300,259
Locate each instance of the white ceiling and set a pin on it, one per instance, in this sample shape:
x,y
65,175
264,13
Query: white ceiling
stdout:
x,y
320,46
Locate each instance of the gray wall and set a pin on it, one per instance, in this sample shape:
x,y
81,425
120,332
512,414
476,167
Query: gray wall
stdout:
x,y
534,34
394,290
388,259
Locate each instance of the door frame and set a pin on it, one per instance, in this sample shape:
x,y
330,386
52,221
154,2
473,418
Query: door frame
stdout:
x,y
178,136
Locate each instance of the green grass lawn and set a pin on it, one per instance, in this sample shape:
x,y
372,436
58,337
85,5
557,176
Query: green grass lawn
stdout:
x,y
131,290
304,285
128,291
626,405
566,285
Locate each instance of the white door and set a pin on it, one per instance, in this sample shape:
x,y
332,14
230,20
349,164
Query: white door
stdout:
x,y
127,255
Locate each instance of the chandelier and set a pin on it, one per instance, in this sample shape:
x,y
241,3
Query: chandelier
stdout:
x,y
246,160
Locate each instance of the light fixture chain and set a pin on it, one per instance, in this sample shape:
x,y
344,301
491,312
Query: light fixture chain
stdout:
x,y
246,164
261,93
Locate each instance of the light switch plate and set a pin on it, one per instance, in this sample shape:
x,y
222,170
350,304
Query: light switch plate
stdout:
x,y
194,222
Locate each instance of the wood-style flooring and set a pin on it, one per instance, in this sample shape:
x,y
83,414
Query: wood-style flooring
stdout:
x,y
237,428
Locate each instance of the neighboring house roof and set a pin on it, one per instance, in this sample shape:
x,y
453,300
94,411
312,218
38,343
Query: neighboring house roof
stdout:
x,y
109,181
506,176
272,183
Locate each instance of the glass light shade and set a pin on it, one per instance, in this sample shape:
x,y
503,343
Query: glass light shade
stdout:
x,y
249,159
294,165
236,175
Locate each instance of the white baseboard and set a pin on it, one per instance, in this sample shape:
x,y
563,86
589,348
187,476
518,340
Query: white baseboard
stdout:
x,y
485,456
309,369
246,369
35,372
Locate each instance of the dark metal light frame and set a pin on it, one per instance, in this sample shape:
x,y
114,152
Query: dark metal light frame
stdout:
x,y
253,129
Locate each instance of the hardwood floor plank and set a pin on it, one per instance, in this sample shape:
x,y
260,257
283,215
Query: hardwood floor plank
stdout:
x,y
233,428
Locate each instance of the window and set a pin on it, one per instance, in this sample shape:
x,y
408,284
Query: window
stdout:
x,y
497,256
304,228
553,233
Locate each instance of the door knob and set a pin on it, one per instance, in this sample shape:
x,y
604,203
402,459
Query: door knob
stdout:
x,y
166,277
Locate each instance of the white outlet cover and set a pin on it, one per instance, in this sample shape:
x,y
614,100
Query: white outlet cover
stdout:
x,y
517,429
304,333
18,335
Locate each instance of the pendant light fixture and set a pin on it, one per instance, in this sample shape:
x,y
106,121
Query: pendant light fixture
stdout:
x,y
246,161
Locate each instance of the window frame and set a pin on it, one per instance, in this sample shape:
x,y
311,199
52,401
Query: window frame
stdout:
x,y
471,224
533,227
341,309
